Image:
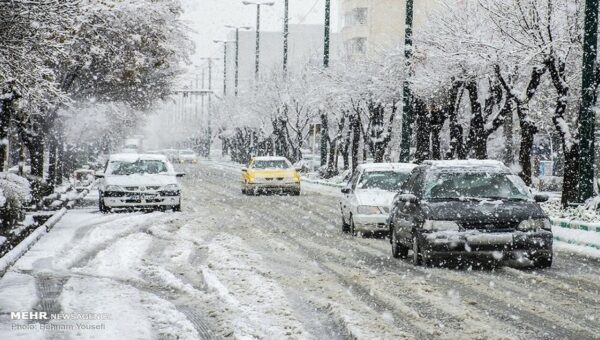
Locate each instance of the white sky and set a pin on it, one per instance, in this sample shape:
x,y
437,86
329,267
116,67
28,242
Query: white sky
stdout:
x,y
208,17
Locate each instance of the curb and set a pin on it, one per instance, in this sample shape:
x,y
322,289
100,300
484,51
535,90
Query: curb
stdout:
x,y
324,183
15,254
562,223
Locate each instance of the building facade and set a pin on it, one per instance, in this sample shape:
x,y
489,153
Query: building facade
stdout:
x,y
305,43
369,27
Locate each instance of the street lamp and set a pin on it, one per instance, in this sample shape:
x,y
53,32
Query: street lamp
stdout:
x,y
224,42
258,4
237,52
208,116
286,33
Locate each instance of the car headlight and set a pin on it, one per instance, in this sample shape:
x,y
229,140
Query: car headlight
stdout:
x,y
171,187
534,224
113,188
441,225
370,210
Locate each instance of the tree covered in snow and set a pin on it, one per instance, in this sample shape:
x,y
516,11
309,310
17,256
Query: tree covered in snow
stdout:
x,y
76,54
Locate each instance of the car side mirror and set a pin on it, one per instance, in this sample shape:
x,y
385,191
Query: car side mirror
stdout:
x,y
244,169
180,174
541,198
346,190
408,198
99,175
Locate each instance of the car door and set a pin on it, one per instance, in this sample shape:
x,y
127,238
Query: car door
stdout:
x,y
407,213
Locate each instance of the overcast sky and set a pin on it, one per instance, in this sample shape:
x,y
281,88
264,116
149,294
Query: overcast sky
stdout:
x,y
207,17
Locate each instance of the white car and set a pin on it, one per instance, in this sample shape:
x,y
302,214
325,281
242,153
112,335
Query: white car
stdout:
x,y
187,156
368,195
139,181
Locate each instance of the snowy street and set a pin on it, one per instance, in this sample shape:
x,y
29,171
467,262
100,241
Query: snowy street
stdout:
x,y
273,267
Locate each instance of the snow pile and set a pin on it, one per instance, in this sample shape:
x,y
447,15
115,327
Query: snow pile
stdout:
x,y
555,210
13,188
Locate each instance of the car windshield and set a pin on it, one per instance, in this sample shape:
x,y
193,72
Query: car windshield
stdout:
x,y
271,164
384,180
123,168
475,185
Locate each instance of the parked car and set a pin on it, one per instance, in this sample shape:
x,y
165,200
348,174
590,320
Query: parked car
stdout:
x,y
83,178
308,163
187,156
139,181
469,210
366,199
270,174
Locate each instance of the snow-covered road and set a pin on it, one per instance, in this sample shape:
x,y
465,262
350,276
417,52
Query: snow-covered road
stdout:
x,y
273,267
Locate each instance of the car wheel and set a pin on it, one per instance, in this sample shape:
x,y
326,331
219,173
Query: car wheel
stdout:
x,y
398,250
543,262
103,209
345,226
177,208
416,259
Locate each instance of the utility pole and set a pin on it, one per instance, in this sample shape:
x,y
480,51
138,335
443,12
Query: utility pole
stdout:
x,y
237,54
407,95
286,32
209,108
224,42
257,55
588,100
327,33
324,126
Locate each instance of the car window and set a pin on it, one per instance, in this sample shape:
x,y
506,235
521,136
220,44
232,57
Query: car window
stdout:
x,y
384,180
271,164
478,184
354,179
410,184
124,168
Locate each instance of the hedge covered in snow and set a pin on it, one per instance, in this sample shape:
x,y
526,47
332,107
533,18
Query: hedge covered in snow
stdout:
x,y
15,192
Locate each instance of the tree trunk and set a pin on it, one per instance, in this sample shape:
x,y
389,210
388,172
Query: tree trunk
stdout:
x,y
52,160
423,131
528,132
5,116
355,126
324,138
477,137
571,175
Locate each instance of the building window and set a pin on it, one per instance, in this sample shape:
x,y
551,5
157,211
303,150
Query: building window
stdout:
x,y
356,46
357,16
360,15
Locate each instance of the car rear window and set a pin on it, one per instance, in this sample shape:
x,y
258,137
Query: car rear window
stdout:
x,y
271,164
384,180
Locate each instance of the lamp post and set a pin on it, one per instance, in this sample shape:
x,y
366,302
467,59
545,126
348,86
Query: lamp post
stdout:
x,y
588,98
208,116
286,33
257,56
224,42
237,53
406,97
324,126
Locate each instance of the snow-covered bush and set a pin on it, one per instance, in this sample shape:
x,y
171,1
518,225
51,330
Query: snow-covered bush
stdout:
x,y
14,193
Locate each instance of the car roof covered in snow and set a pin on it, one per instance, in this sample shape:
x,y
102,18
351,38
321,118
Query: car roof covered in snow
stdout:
x,y
387,167
470,165
270,158
132,157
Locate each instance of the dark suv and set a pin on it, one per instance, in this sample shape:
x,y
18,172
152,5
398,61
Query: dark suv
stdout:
x,y
469,210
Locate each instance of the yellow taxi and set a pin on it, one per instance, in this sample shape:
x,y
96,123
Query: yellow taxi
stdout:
x,y
270,174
